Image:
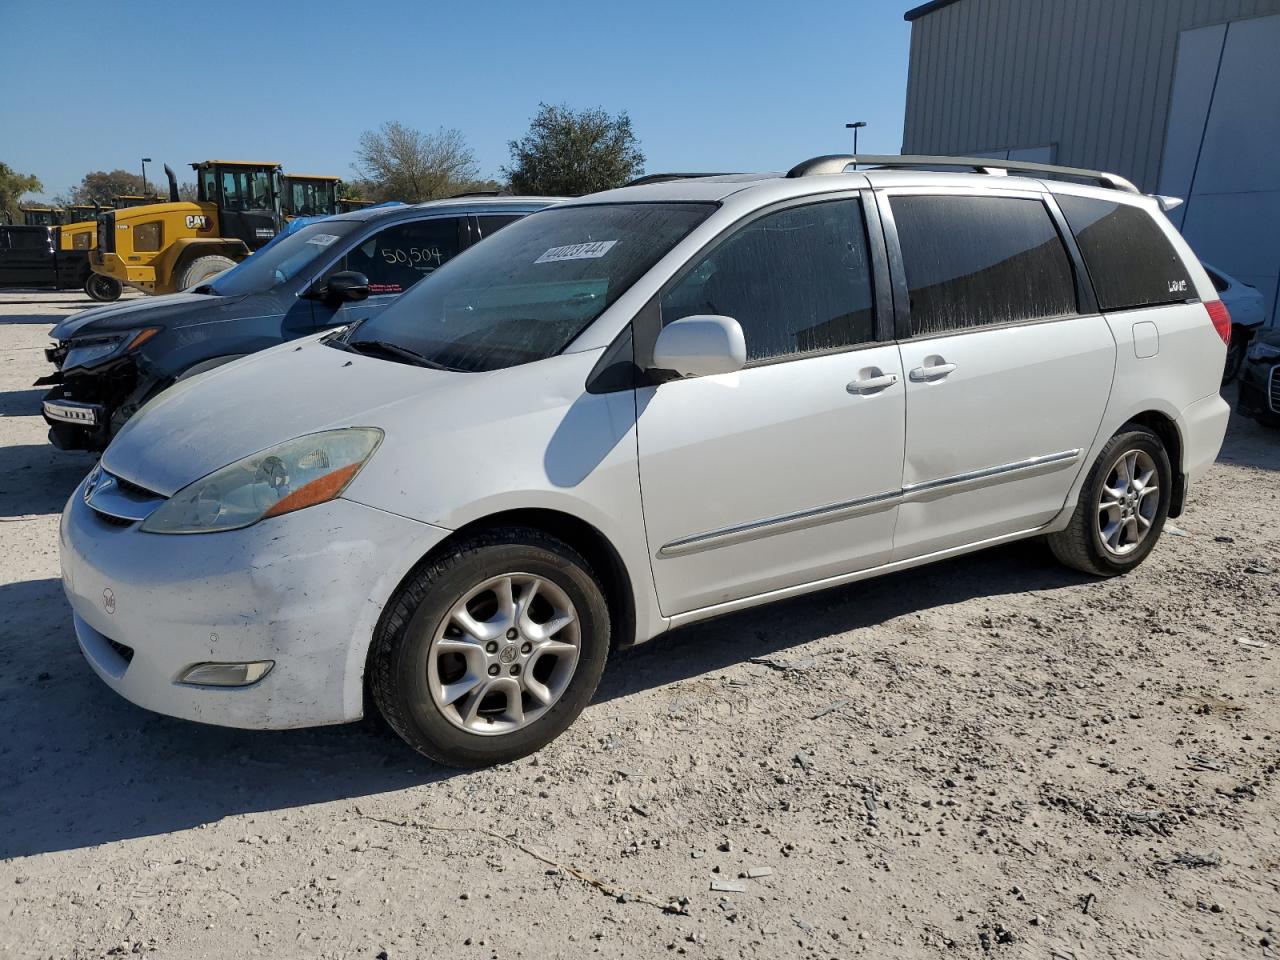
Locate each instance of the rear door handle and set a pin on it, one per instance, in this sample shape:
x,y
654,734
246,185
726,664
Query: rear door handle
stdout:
x,y
872,384
935,372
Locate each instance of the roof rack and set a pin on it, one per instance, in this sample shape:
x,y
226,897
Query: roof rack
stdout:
x,y
838,162
665,177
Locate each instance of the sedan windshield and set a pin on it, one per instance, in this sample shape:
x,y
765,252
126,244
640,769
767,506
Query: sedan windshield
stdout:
x,y
525,293
285,258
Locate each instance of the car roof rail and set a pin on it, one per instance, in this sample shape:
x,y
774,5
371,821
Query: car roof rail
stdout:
x,y
839,162
666,177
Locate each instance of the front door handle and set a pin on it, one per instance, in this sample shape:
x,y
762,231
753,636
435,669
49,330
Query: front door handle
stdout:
x,y
872,384
935,371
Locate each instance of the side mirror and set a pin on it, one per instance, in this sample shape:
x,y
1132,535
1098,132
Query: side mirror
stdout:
x,y
345,286
700,346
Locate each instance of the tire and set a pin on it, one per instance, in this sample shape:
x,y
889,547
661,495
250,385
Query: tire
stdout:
x,y
451,693
102,289
202,268
1090,542
1235,355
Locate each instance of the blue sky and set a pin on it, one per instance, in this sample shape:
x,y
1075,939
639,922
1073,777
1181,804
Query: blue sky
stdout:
x,y
709,86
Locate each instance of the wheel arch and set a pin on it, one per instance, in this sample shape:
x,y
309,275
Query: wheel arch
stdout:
x,y
586,538
1166,428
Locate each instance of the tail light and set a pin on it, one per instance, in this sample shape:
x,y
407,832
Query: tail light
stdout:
x,y
1221,318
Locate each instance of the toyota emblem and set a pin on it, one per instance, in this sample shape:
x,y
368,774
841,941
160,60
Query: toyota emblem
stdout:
x,y
108,601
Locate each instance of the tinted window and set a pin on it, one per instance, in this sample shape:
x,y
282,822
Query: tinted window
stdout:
x,y
492,223
526,292
398,257
29,240
1130,260
797,281
974,261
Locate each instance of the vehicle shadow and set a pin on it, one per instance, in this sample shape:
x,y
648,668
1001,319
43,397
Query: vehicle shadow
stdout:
x,y
1018,568
84,766
37,479
22,403
48,319
87,767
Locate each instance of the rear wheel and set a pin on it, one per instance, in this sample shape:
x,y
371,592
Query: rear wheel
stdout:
x,y
201,269
102,289
491,650
1235,355
1122,506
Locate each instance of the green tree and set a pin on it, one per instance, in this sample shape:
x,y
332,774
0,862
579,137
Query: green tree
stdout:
x,y
105,185
12,186
398,162
569,152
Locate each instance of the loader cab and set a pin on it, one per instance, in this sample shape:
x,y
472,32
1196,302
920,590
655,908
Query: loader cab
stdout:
x,y
83,212
247,197
310,196
34,215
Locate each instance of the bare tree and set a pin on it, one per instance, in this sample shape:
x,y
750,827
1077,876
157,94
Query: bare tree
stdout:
x,y
401,163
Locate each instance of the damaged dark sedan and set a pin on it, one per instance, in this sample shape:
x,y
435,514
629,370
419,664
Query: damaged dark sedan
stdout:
x,y
111,360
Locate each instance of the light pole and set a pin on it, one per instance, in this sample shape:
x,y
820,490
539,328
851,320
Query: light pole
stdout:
x,y
855,127
146,160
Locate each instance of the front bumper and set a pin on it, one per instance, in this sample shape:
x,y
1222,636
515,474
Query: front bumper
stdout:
x,y
304,589
75,424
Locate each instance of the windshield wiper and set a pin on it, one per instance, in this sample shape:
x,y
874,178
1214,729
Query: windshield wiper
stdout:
x,y
391,349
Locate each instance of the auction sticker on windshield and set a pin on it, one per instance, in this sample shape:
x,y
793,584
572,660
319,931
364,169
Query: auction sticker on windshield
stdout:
x,y
322,239
577,251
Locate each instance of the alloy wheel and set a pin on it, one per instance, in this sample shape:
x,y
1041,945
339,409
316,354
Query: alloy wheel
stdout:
x,y
504,654
1128,502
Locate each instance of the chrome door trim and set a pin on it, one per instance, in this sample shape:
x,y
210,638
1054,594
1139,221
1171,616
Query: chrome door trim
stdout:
x,y
989,475
847,509
814,516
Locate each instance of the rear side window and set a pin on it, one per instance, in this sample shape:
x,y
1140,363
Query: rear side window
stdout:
x,y
797,281
977,261
491,223
1130,260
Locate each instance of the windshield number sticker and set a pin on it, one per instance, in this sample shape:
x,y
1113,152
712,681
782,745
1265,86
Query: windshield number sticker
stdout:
x,y
427,257
577,251
323,239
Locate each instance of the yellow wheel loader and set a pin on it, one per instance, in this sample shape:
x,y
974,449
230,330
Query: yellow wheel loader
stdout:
x,y
307,195
166,247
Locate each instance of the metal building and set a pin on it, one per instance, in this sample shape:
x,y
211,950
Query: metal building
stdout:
x,y
1180,96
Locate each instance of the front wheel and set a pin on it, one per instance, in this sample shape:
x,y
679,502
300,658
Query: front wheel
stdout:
x,y
1122,507
102,289
490,651
201,269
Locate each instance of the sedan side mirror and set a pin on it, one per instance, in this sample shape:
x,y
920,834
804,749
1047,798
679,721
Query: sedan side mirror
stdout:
x,y
700,346
345,286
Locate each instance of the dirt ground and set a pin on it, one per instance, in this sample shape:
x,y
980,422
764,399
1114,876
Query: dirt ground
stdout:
x,y
989,757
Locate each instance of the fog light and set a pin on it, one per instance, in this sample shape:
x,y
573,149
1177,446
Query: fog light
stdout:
x,y
227,674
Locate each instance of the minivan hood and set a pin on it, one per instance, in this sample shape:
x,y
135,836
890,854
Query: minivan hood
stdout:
x,y
216,418
162,311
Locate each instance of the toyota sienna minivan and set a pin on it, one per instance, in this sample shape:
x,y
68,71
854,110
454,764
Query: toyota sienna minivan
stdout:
x,y
640,409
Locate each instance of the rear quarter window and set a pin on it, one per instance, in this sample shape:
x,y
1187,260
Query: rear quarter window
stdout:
x,y
1130,260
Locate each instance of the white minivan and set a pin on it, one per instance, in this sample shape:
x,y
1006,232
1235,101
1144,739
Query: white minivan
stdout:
x,y
636,410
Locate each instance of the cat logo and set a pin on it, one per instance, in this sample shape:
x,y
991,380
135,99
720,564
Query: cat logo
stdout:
x,y
198,222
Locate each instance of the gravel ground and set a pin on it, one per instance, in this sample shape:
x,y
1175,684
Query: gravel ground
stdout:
x,y
992,756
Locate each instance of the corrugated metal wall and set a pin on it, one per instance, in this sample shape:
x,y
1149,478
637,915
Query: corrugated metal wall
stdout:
x,y
1091,77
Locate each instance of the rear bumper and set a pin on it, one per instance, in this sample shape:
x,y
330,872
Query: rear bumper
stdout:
x,y
1203,425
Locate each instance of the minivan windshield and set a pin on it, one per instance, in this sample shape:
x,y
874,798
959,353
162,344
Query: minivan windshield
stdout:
x,y
525,293
285,258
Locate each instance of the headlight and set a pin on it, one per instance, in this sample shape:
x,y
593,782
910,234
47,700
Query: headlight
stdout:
x,y
289,476
83,353
1263,351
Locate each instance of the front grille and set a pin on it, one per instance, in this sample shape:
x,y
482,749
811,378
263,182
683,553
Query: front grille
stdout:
x,y
113,521
131,487
1273,389
125,653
